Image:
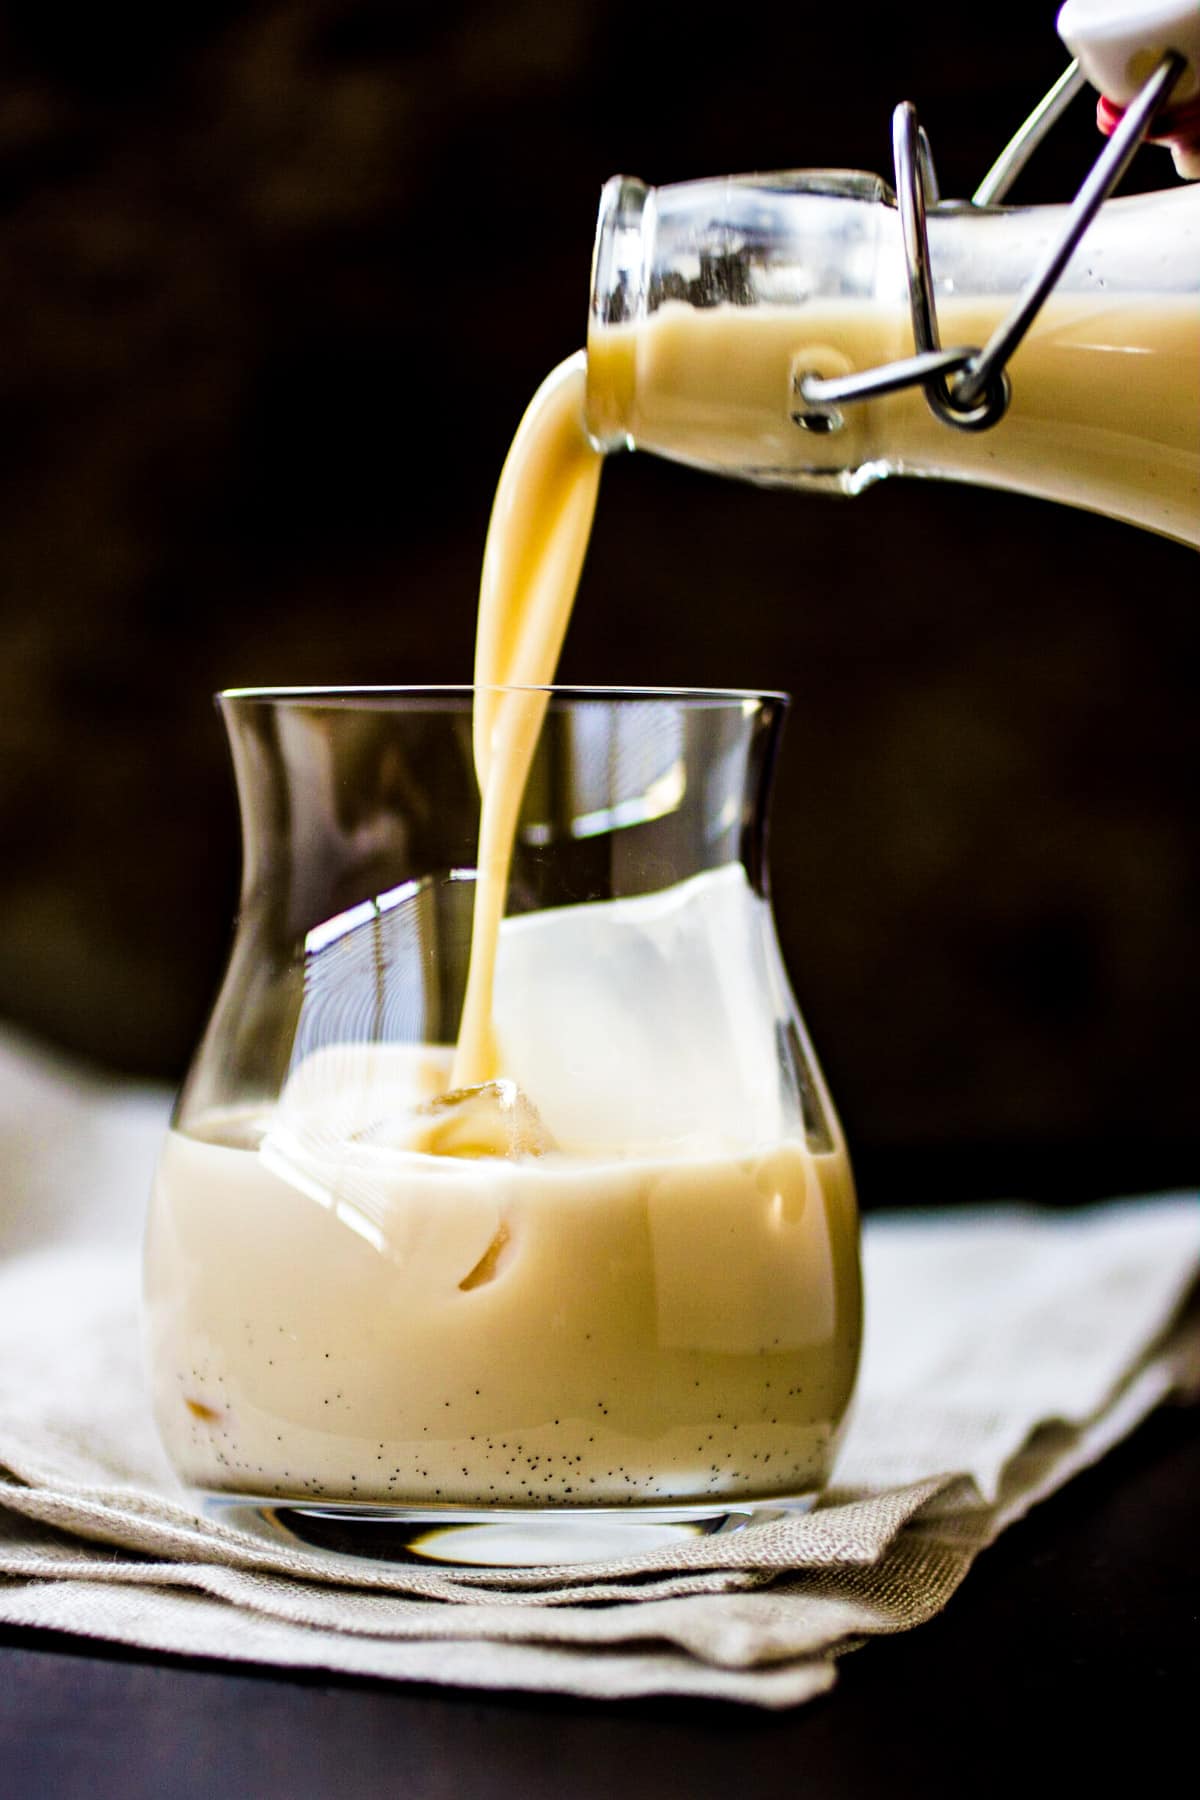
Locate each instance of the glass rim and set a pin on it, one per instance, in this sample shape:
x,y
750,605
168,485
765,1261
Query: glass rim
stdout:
x,y
465,690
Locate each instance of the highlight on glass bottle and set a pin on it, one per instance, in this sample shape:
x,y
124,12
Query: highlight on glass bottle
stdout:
x,y
612,1293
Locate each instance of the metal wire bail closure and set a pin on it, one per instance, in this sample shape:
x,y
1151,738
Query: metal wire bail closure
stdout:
x,y
970,388
915,184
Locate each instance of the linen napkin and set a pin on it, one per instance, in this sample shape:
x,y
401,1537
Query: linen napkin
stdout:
x,y
1006,1349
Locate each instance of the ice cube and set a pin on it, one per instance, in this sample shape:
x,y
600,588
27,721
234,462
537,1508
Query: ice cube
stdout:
x,y
646,1023
493,1119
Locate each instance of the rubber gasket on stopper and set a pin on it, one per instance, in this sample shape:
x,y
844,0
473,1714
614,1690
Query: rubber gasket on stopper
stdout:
x,y
1178,128
1176,123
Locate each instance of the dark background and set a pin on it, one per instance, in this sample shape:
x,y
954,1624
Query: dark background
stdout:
x,y
276,282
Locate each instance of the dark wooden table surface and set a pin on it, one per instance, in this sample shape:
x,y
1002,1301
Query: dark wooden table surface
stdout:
x,y
1073,1646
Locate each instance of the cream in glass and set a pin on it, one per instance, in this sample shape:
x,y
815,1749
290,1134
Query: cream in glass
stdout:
x,y
623,1273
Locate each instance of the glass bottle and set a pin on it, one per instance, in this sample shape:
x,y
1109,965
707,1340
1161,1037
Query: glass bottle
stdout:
x,y
636,1314
711,301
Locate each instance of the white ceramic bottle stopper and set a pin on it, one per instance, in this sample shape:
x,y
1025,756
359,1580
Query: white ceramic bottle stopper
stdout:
x,y
1120,43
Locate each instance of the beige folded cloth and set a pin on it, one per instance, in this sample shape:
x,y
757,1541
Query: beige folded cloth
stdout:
x,y
1006,1349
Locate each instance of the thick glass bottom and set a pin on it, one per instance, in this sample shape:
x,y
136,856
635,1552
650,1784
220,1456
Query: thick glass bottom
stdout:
x,y
493,1538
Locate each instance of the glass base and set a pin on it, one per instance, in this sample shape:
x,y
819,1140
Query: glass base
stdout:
x,y
491,1538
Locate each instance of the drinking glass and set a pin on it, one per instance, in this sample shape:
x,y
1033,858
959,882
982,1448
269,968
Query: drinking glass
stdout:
x,y
608,1300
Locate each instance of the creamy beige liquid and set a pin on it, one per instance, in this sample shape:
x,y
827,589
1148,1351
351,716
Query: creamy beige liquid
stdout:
x,y
562,1329
537,539
1105,410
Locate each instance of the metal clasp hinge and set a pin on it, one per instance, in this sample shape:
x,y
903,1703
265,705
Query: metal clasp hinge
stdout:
x,y
969,387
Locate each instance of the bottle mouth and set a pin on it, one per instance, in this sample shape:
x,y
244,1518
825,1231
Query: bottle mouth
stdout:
x,y
619,252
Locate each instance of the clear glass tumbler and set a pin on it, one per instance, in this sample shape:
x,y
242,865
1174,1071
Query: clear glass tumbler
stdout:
x,y
634,1317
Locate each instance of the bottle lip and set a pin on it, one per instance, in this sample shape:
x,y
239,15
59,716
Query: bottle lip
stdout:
x,y
464,692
